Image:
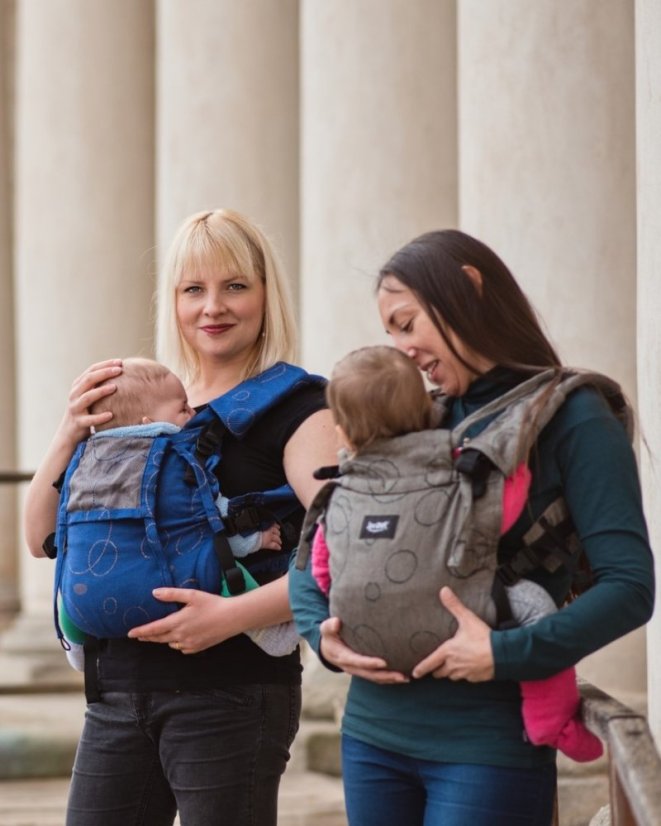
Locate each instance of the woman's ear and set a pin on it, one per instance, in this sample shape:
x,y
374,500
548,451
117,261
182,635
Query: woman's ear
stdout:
x,y
475,276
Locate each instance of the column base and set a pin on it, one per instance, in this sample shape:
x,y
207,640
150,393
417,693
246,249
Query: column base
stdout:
x,y
31,658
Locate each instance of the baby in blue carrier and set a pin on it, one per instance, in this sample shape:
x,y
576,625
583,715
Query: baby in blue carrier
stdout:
x,y
150,401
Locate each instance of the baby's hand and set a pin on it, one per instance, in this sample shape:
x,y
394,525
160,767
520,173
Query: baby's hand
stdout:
x,y
271,539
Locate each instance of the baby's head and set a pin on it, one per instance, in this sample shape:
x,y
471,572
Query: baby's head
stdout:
x,y
377,393
146,392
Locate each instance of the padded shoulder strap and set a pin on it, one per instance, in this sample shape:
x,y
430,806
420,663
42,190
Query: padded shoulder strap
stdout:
x,y
570,381
242,406
529,407
315,511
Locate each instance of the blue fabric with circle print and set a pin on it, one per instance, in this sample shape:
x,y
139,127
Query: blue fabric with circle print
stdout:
x,y
139,512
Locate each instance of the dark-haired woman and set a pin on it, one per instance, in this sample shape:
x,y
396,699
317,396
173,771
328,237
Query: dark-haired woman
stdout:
x,y
446,748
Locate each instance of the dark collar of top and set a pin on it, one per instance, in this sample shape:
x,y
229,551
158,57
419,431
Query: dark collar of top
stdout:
x,y
483,389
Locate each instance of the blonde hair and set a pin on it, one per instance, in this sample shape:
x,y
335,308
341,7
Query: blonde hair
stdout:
x,y
224,239
377,393
139,378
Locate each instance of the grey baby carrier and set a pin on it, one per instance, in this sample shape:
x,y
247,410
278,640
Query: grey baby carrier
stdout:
x,y
424,510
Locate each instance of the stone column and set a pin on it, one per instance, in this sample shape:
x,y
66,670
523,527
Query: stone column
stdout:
x,y
547,171
227,133
648,129
83,225
379,154
8,532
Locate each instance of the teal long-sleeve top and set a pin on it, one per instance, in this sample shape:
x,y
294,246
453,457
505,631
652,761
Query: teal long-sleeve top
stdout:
x,y
584,455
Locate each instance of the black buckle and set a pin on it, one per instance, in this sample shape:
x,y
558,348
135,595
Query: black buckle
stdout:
x,y
207,443
507,575
246,520
524,561
49,547
236,584
477,466
327,472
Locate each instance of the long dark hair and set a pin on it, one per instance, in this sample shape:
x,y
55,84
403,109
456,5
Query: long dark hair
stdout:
x,y
494,320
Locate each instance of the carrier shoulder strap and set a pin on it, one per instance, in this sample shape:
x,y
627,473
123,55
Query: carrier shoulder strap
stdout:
x,y
237,411
529,407
314,513
551,541
232,572
241,407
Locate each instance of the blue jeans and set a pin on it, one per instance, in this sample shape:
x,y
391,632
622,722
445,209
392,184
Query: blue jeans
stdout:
x,y
214,756
383,788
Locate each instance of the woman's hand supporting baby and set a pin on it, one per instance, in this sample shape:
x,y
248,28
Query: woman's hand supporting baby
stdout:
x,y
208,619
336,652
467,655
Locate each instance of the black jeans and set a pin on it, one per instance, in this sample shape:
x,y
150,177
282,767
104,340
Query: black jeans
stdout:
x,y
215,756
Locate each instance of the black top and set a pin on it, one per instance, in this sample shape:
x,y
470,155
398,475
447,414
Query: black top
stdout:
x,y
252,463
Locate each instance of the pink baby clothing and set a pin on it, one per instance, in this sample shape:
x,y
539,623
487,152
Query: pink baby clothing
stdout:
x,y
320,554
551,716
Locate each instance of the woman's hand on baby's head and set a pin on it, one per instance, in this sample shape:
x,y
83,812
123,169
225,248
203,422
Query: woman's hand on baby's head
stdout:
x,y
87,389
272,538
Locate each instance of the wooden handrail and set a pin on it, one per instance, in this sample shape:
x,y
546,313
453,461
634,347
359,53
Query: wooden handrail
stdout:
x,y
12,477
634,761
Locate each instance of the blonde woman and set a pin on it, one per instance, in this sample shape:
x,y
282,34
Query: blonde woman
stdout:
x,y
193,717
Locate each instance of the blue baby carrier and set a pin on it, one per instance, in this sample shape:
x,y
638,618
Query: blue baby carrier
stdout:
x,y
139,512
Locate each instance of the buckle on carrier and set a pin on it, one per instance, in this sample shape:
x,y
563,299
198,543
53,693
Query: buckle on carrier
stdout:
x,y
477,467
208,442
234,579
236,584
523,562
246,520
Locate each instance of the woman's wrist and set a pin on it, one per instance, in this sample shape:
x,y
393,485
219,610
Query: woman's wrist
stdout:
x,y
68,435
267,605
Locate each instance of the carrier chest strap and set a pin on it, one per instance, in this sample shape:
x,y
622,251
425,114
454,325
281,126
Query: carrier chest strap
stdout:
x,y
208,444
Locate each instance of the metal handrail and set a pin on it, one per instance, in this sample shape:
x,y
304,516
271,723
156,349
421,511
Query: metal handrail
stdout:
x,y
634,760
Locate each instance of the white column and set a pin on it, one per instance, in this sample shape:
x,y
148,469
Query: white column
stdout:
x,y
227,131
648,129
379,154
83,223
547,171
8,532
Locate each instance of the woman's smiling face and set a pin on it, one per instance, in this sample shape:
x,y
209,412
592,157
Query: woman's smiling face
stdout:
x,y
414,333
220,314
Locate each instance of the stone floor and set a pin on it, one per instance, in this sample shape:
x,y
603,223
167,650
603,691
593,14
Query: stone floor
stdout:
x,y
38,733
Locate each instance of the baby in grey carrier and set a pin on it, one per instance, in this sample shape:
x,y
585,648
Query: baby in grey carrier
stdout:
x,y
416,507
